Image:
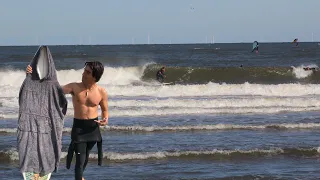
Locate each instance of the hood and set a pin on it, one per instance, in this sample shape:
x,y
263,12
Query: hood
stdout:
x,y
42,64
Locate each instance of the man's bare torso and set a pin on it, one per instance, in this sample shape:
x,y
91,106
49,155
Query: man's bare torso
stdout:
x,y
85,102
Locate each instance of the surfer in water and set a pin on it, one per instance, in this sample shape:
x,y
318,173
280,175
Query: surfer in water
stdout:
x,y
309,68
160,75
86,97
255,47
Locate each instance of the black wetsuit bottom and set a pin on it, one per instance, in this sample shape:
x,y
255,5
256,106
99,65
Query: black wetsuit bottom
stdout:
x,y
82,151
85,134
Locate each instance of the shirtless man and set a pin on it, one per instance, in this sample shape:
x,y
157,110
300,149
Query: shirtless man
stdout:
x,y
86,97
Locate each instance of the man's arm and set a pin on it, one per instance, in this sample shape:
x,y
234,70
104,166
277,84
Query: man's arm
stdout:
x,y
104,108
68,89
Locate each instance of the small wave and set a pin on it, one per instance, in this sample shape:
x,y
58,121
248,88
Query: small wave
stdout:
x,y
8,130
178,90
12,154
235,75
112,75
272,101
146,112
186,154
214,127
215,89
14,130
195,127
181,75
185,111
9,155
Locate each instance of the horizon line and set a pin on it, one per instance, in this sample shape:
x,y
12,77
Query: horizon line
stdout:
x,y
129,44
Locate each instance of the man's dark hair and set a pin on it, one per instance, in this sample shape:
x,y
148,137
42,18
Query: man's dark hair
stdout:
x,y
97,69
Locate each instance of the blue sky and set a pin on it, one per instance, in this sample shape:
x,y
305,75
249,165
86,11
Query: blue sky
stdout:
x,y
37,22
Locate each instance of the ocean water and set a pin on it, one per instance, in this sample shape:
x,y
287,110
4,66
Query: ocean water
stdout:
x,y
229,113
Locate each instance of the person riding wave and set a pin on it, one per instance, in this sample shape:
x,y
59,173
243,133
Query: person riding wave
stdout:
x,y
160,75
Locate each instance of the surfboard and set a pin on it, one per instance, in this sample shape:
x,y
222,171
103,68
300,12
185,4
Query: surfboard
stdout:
x,y
43,63
169,83
32,176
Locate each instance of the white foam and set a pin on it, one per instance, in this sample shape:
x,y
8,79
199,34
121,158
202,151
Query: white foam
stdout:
x,y
214,89
220,102
8,130
10,102
118,81
5,115
111,76
11,78
214,127
115,76
13,154
164,154
195,127
187,111
148,100
300,73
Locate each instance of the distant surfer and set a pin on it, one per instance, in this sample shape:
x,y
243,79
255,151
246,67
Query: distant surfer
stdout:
x,y
86,97
295,41
309,69
255,46
161,75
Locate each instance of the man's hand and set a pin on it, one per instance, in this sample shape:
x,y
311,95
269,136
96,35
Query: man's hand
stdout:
x,y
29,69
102,122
